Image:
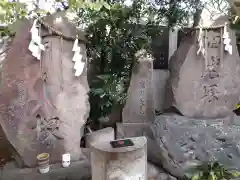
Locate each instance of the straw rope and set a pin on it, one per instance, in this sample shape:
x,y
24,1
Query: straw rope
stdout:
x,y
59,33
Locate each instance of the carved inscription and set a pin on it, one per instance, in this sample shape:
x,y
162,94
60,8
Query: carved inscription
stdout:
x,y
210,92
48,130
210,89
142,107
215,42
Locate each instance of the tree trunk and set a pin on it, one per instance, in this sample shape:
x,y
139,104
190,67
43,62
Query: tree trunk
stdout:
x,y
197,14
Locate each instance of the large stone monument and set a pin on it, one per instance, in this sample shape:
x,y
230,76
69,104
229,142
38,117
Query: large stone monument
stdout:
x,y
139,108
44,106
205,70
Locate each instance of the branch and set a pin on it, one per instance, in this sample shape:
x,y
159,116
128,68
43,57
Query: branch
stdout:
x,y
64,6
4,51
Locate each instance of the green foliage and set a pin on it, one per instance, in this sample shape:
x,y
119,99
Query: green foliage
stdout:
x,y
213,171
10,11
115,35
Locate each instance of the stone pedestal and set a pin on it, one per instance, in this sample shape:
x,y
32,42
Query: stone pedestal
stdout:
x,y
119,163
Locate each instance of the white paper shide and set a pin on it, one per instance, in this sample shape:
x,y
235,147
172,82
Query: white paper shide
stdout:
x,y
77,58
35,45
227,40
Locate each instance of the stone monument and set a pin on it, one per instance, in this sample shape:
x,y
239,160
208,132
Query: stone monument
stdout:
x,y
139,108
205,70
119,163
204,87
43,105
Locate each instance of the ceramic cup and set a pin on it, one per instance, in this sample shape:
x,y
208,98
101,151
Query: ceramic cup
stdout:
x,y
43,163
66,160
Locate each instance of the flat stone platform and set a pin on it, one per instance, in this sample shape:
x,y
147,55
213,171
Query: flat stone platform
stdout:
x,y
79,170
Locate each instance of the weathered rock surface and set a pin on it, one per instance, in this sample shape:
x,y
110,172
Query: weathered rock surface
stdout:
x,y
181,142
43,105
205,85
157,173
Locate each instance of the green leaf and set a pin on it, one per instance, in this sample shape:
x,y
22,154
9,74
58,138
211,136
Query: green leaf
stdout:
x,y
97,91
211,176
103,77
14,27
106,5
235,173
196,177
97,6
101,96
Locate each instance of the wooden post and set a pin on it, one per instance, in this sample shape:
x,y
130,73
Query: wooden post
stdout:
x,y
173,39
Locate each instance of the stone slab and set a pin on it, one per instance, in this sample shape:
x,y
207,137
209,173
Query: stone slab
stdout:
x,y
77,171
153,171
139,107
125,130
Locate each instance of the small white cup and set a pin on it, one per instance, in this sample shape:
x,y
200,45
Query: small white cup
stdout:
x,y
44,170
66,160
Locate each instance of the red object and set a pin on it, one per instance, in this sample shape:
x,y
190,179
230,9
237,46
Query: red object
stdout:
x,y
121,142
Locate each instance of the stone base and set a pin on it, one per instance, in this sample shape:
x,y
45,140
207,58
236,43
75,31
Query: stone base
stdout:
x,y
77,171
125,130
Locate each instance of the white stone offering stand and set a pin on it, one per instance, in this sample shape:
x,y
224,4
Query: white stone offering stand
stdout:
x,y
125,163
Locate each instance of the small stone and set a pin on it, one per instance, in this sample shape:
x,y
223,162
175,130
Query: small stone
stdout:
x,y
230,155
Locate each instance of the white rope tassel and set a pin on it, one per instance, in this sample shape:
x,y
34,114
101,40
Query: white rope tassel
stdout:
x,y
227,40
205,50
77,58
76,48
200,41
